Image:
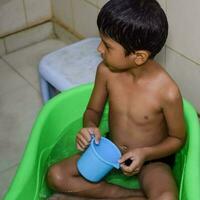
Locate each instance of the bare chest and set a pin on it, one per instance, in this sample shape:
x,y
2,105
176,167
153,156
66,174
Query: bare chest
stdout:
x,y
135,103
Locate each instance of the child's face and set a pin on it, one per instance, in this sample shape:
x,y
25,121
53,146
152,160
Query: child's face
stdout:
x,y
113,55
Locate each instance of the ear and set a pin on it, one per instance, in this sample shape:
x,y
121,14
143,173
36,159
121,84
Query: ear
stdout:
x,y
141,56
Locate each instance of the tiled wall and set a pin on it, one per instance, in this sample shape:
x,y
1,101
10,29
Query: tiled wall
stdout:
x,y
16,15
181,55
78,15
183,49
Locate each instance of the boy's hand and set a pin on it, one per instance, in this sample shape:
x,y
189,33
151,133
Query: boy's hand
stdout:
x,y
83,138
137,156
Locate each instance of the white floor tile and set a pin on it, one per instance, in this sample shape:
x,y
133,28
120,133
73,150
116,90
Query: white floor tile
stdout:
x,y
20,103
6,178
18,111
9,79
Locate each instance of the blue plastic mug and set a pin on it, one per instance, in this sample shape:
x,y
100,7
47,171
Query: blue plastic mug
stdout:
x,y
98,159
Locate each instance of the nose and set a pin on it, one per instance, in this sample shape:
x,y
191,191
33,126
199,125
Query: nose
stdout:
x,y
100,48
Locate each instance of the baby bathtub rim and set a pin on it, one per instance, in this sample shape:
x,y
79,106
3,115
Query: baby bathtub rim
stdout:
x,y
190,155
47,108
31,145
189,160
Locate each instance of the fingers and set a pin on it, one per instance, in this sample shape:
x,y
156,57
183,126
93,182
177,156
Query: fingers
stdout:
x,y
83,138
130,170
136,171
82,143
86,134
97,134
125,157
129,165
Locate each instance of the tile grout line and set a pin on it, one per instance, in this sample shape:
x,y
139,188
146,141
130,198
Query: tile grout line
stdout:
x,y
4,43
30,84
91,3
73,20
25,29
12,166
20,48
25,12
179,53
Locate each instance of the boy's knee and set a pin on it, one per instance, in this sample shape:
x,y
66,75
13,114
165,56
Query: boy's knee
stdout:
x,y
167,196
56,178
61,175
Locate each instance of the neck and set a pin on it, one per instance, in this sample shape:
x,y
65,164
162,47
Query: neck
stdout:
x,y
140,70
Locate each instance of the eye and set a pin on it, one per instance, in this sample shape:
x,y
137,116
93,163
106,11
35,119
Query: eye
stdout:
x,y
107,47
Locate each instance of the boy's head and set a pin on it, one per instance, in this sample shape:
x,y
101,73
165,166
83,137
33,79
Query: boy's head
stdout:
x,y
135,24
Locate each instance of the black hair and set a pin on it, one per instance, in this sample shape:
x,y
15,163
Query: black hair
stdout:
x,y
135,24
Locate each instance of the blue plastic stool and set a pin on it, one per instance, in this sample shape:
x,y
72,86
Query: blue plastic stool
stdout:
x,y
68,67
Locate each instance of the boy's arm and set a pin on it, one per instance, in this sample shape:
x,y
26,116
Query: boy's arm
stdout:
x,y
95,107
173,112
94,110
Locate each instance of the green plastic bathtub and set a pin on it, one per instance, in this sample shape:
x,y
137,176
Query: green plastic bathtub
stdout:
x,y
53,138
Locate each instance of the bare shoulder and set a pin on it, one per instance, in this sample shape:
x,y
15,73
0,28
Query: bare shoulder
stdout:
x,y
169,88
103,70
102,75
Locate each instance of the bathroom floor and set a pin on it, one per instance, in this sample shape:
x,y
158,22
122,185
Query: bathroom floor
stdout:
x,y
20,102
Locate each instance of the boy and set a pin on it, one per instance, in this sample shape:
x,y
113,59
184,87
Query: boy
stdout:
x,y
146,115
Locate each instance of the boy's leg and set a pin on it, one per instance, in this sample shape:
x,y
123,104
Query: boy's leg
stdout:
x,y
158,182
70,197
64,177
